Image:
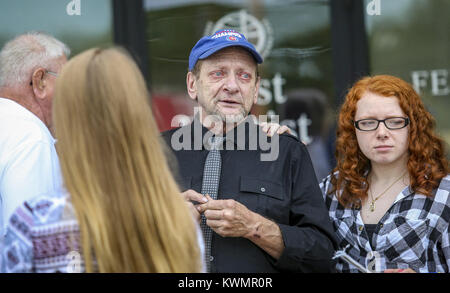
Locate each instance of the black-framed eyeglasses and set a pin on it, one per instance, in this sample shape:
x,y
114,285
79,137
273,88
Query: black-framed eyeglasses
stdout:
x,y
47,72
392,123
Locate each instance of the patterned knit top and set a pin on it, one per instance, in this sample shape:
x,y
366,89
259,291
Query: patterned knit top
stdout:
x,y
44,237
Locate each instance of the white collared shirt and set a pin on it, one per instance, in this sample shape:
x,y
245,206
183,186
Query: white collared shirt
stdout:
x,y
29,163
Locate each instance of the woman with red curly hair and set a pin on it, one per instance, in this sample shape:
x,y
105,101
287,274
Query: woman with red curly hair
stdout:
x,y
388,196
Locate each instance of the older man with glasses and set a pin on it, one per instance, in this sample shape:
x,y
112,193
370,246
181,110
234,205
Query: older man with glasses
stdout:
x,y
29,166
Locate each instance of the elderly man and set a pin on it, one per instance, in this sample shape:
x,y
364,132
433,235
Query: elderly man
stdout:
x,y
29,163
257,215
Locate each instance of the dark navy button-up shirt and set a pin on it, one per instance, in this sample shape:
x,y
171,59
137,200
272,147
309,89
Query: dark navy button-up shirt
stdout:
x,y
283,189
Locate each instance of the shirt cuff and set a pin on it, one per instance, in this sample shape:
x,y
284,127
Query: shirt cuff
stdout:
x,y
297,256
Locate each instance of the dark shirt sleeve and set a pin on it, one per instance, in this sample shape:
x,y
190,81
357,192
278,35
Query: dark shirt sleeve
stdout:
x,y
309,238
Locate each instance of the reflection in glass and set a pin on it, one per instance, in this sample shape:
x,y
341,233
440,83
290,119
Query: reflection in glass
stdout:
x,y
92,28
410,39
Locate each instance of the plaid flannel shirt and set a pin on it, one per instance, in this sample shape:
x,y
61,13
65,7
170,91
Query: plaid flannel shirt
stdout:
x,y
412,234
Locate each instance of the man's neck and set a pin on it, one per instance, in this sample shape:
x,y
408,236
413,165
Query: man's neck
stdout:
x,y
216,125
17,95
223,128
23,98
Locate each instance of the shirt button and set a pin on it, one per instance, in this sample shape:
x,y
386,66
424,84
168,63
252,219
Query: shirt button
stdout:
x,y
263,189
381,225
211,258
361,228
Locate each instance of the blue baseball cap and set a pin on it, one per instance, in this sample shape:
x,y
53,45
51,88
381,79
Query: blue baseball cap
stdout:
x,y
209,45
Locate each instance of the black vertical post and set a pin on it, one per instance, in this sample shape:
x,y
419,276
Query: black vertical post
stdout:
x,y
130,30
349,51
349,44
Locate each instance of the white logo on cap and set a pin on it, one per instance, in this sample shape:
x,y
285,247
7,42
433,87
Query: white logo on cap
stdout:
x,y
225,33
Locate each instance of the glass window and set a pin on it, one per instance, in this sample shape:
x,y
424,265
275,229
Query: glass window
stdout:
x,y
293,37
410,39
80,24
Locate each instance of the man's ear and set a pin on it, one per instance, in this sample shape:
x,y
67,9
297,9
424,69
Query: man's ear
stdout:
x,y
38,83
191,83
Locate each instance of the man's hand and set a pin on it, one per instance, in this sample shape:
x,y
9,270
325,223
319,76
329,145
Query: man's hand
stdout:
x,y
192,196
272,128
228,218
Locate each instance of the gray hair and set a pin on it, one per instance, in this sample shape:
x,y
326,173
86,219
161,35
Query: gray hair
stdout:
x,y
20,56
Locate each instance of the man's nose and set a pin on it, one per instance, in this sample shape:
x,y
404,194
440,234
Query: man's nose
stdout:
x,y
231,84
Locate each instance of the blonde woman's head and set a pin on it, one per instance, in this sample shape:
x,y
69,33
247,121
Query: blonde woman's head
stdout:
x,y
132,218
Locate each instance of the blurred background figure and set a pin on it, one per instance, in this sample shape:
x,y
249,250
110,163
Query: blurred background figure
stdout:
x,y
305,112
29,66
123,211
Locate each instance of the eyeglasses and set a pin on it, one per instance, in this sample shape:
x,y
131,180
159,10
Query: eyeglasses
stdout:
x,y
51,72
47,72
390,123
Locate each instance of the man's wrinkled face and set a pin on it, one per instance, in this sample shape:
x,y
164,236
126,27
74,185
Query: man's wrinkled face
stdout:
x,y
227,84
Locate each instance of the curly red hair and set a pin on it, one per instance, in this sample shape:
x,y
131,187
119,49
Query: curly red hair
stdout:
x,y
427,163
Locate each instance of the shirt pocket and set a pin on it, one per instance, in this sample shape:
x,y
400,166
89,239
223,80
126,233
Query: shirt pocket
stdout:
x,y
406,243
266,197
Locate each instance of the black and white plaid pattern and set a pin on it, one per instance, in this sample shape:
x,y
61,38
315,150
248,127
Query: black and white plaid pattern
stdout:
x,y
412,234
210,186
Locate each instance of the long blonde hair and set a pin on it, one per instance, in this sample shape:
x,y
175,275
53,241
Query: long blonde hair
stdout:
x,y
132,217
